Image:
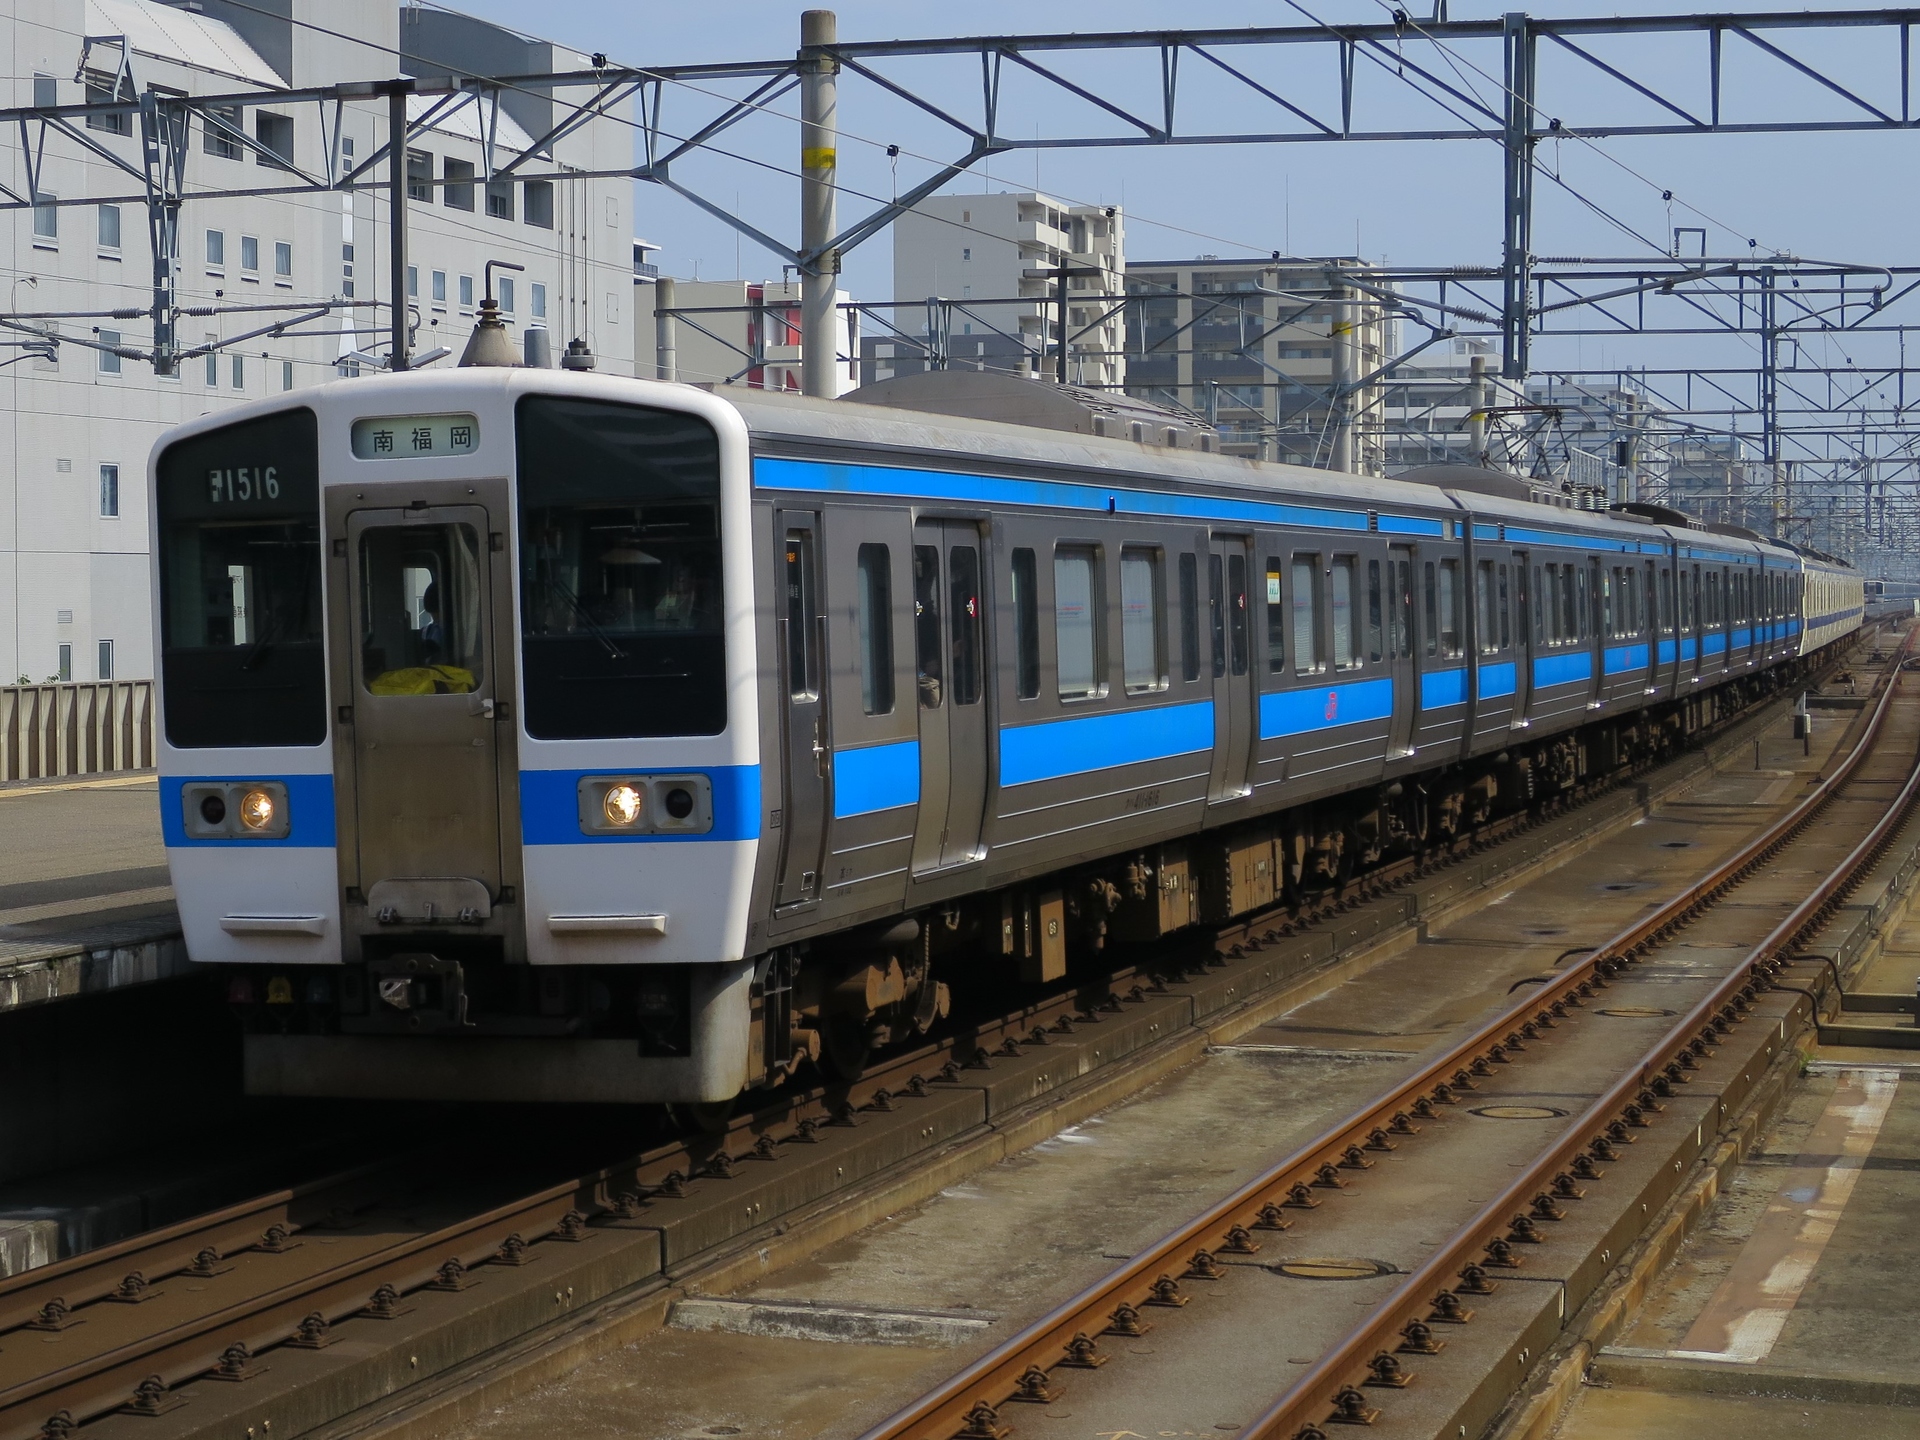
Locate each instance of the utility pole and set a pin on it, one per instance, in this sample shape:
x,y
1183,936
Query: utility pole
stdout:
x,y
397,92
1516,317
666,339
1477,409
819,218
1770,404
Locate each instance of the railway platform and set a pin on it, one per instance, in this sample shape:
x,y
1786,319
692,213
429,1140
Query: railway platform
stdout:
x,y
85,906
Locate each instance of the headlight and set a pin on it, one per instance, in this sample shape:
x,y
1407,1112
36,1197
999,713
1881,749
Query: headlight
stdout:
x,y
257,810
623,805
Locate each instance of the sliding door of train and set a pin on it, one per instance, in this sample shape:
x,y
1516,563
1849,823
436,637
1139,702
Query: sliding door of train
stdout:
x,y
1230,633
1400,642
802,634
949,637
1497,650
1526,636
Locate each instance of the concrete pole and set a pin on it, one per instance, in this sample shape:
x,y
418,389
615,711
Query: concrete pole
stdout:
x,y
1477,410
666,339
397,223
1345,322
819,218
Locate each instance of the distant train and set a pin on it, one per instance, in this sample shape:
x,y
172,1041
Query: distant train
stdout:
x,y
551,736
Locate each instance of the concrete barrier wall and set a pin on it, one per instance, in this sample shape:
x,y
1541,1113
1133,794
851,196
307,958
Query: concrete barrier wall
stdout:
x,y
84,728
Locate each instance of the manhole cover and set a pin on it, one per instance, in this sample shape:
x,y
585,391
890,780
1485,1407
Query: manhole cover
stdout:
x,y
1637,1012
1334,1269
1518,1112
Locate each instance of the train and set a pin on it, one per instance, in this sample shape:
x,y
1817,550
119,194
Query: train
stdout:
x,y
552,736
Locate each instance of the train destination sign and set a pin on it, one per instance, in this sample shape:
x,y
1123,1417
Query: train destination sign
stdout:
x,y
415,437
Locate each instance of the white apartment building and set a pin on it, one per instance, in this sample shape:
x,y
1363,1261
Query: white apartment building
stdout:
x,y
79,425
993,260
733,332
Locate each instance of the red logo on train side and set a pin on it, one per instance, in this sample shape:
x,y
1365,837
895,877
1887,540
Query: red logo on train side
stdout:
x,y
1333,704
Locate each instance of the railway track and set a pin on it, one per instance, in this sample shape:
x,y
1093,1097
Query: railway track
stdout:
x,y
121,1330
1360,1374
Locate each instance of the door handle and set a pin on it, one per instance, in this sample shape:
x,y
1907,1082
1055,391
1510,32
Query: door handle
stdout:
x,y
478,706
819,748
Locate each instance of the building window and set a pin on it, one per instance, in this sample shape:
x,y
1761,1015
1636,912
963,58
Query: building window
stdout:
x,y
439,287
420,175
966,252
109,491
466,292
283,259
46,216
413,282
63,666
46,91
103,89
221,130
109,227
109,362
1142,621
239,372
500,200
1026,625
213,369
457,193
537,300
249,253
1076,621
505,289
537,203
874,620
275,134
105,663
216,247
286,374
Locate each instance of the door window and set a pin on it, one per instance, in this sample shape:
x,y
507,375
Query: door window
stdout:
x,y
1190,617
1306,614
1374,616
1140,619
1217,613
873,619
1341,603
963,576
421,624
803,662
1484,599
926,625
1237,610
1026,625
1402,603
1276,618
1450,607
1076,622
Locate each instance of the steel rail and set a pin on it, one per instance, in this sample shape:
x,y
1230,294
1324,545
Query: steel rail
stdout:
x,y
968,1404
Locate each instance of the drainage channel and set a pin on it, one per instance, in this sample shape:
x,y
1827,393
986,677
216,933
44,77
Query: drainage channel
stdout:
x,y
537,1260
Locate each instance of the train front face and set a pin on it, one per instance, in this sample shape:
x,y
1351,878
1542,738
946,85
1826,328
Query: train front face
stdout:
x,y
459,747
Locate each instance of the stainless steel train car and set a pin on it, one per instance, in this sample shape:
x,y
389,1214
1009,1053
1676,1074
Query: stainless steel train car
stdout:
x,y
551,736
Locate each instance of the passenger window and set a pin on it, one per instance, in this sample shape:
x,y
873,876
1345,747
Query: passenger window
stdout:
x,y
1450,607
1506,613
1237,610
1374,627
1276,619
1026,625
926,624
1488,628
1076,622
873,619
1217,613
803,664
1190,617
1306,614
963,584
1140,620
1342,604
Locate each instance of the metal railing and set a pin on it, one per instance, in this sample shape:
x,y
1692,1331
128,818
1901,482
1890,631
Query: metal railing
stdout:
x,y
82,728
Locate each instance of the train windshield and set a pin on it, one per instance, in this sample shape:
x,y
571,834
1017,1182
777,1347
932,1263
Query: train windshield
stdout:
x,y
620,599
240,614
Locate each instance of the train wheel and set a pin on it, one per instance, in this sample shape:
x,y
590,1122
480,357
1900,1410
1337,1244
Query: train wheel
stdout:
x,y
844,1047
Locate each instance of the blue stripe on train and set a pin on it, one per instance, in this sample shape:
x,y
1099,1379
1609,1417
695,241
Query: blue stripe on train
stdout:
x,y
1300,712
1625,657
1713,645
1562,669
1666,652
309,812
1440,688
876,777
1056,748
1497,680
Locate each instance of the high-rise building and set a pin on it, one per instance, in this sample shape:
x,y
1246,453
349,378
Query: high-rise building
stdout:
x,y
976,285
81,408
1281,357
